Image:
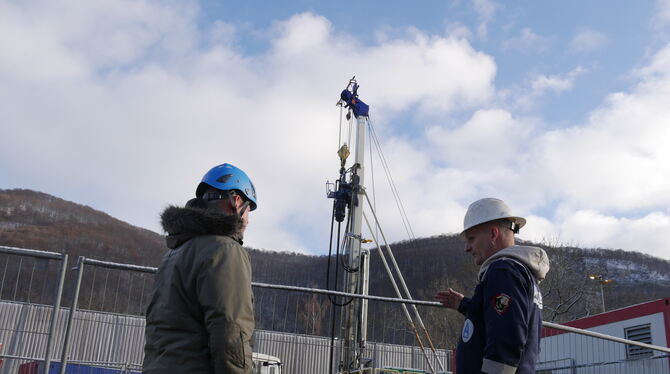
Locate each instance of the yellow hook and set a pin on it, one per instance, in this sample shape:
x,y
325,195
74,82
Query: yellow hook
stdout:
x,y
343,152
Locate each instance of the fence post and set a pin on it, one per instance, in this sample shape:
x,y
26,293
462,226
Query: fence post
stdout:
x,y
55,312
70,317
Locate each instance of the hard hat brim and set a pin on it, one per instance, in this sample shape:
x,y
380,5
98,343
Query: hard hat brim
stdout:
x,y
518,220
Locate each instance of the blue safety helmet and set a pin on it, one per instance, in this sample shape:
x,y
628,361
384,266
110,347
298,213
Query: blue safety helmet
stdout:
x,y
226,177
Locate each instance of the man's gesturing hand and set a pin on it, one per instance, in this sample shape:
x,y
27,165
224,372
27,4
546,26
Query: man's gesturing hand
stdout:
x,y
450,298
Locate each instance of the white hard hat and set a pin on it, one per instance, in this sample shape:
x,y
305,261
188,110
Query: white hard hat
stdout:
x,y
490,209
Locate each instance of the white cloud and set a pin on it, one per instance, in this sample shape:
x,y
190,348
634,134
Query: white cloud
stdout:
x,y
527,41
430,196
599,184
540,230
489,139
662,17
610,169
527,96
222,33
587,40
485,10
458,30
555,83
594,229
617,160
134,115
301,33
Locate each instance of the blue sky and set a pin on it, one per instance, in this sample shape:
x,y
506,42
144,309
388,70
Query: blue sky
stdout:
x,y
525,37
559,108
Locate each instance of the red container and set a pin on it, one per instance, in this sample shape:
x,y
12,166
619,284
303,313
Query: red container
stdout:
x,y
29,368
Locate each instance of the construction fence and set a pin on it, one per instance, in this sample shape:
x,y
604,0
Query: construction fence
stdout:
x,y
103,326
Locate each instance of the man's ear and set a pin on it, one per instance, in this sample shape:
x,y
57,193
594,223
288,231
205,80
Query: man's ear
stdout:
x,y
234,202
495,232
239,200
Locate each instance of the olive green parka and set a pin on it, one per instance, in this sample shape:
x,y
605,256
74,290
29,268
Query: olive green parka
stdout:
x,y
201,317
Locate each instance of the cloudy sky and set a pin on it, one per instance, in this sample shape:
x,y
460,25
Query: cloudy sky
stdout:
x,y
559,108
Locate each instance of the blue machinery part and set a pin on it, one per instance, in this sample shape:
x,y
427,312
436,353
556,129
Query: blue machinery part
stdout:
x,y
344,195
351,100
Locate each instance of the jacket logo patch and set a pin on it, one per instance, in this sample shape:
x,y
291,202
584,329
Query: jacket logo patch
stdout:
x,y
468,330
501,303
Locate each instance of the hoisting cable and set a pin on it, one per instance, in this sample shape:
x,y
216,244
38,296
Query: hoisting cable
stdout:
x,y
341,103
337,255
403,214
352,198
399,204
397,291
342,190
372,172
409,297
351,124
332,310
343,153
402,280
350,117
333,299
339,140
394,189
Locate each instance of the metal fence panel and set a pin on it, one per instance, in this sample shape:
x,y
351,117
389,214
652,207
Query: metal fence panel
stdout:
x,y
109,339
103,336
115,340
572,353
27,278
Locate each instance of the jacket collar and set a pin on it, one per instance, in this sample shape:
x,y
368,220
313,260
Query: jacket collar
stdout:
x,y
183,224
534,258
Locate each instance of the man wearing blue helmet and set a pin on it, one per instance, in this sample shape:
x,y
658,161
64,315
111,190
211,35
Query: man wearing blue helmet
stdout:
x,y
201,316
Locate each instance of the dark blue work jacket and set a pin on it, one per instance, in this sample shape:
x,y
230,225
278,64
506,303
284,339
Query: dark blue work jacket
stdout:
x,y
501,333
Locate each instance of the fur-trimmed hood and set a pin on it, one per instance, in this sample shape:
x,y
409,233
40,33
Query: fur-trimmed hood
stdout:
x,y
183,224
533,257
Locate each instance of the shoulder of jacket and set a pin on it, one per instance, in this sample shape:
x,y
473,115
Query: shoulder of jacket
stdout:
x,y
512,265
215,240
218,246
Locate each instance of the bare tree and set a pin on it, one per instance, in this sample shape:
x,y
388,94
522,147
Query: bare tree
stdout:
x,y
565,291
314,314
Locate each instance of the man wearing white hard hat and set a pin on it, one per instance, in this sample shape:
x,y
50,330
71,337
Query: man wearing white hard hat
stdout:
x,y
501,333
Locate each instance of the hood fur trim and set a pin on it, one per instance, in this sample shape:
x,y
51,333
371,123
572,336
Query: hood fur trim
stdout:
x,y
182,224
534,258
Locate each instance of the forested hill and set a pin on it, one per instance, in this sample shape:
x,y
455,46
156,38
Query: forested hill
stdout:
x,y
435,263
37,220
